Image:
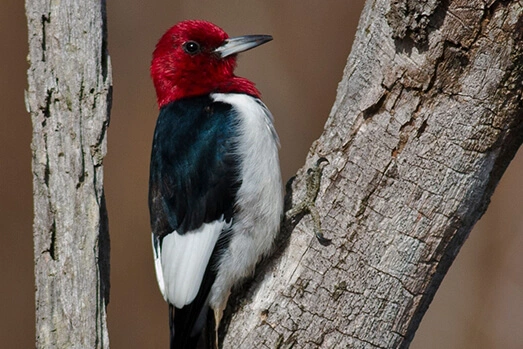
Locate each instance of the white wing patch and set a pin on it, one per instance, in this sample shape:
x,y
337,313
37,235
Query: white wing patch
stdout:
x,y
182,259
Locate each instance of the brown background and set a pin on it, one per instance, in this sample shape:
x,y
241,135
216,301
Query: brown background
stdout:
x,y
480,304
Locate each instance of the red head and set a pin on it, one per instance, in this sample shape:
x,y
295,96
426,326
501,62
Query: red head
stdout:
x,y
195,58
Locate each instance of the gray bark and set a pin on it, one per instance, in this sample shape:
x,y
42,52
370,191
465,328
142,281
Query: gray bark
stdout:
x,y
428,116
68,97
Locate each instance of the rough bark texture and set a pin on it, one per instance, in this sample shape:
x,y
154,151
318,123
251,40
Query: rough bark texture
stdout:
x,y
69,100
427,117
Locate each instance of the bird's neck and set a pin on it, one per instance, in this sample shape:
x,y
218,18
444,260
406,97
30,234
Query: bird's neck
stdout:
x,y
168,91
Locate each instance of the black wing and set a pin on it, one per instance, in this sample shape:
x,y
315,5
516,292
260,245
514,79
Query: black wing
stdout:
x,y
194,173
194,178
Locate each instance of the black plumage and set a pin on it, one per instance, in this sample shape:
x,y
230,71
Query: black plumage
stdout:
x,y
194,179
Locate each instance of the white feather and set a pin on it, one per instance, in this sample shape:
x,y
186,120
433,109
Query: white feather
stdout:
x,y
259,204
182,260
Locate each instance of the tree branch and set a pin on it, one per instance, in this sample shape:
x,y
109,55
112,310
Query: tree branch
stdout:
x,y
69,98
427,118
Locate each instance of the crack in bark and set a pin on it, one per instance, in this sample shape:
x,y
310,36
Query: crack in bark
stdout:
x,y
52,244
44,20
376,108
371,188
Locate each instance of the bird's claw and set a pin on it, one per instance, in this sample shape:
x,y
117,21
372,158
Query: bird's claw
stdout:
x,y
322,239
308,204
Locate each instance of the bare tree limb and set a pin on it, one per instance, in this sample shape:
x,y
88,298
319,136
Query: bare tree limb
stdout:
x,y
69,97
427,118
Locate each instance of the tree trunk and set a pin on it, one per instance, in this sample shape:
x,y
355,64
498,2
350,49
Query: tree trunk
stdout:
x,y
69,98
427,118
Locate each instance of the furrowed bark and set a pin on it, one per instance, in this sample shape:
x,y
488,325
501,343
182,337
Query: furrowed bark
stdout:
x,y
428,115
68,97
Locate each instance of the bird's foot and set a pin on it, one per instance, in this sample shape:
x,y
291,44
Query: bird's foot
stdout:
x,y
308,204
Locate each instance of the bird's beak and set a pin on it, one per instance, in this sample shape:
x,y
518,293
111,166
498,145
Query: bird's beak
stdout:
x,y
241,43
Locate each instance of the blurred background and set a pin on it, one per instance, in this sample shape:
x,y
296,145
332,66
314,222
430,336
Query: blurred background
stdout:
x,y
480,304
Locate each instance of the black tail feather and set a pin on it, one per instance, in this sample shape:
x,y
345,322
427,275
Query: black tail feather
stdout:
x,y
171,325
181,328
210,331
182,339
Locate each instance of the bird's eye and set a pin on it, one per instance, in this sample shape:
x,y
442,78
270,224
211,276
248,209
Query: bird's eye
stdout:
x,y
191,47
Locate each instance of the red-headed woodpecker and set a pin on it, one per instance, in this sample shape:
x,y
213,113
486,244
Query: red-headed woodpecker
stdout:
x,y
215,192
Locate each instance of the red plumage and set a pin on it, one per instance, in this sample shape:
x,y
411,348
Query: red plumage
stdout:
x,y
177,74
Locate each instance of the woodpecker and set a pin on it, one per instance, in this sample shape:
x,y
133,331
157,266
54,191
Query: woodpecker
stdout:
x,y
215,190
